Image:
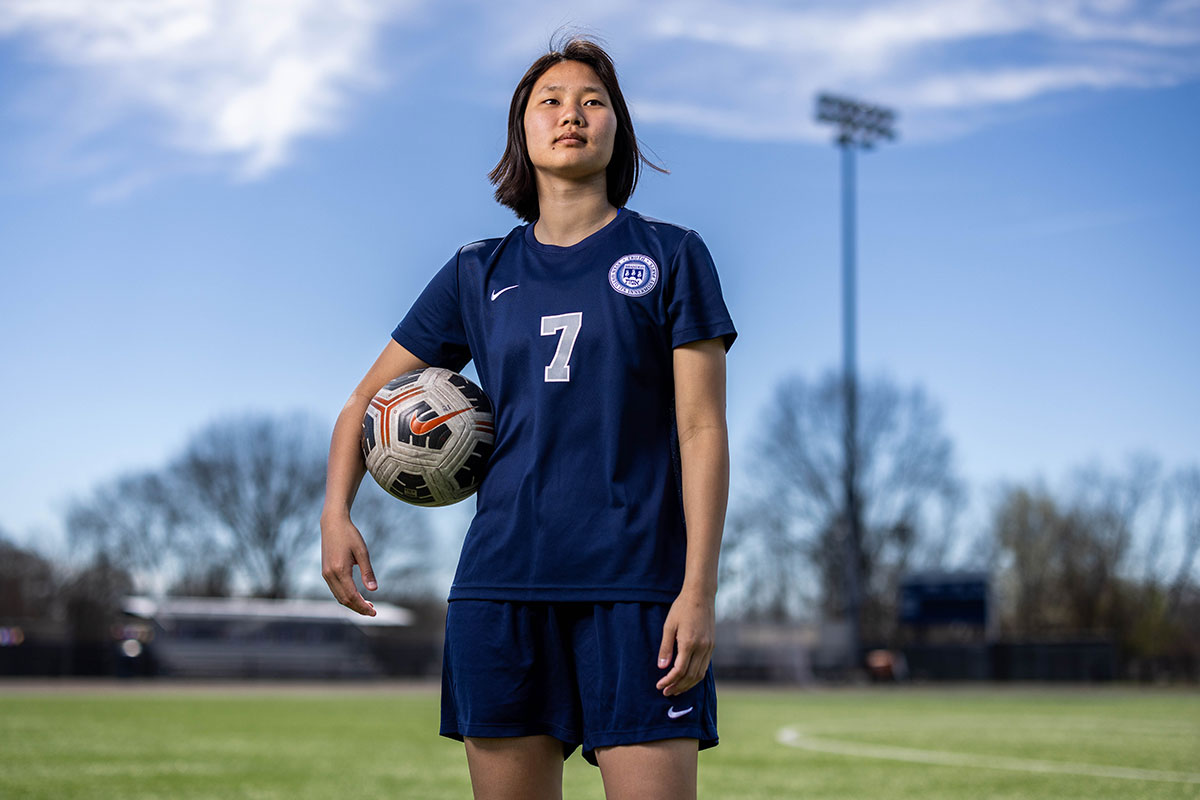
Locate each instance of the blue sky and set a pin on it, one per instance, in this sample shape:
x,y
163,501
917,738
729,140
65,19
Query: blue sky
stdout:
x,y
215,207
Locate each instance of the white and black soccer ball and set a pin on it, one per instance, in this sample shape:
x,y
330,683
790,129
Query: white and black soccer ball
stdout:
x,y
427,436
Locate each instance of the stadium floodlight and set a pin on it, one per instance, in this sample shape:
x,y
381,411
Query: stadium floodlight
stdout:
x,y
859,125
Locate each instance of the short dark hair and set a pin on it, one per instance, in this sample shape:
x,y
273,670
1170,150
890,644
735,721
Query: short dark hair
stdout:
x,y
513,177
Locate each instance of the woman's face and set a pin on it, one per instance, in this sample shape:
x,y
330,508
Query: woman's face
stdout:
x,y
569,122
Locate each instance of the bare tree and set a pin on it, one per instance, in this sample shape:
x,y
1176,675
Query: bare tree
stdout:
x,y
1067,565
1185,485
790,529
92,596
1032,534
28,584
141,522
241,502
204,580
1098,559
259,480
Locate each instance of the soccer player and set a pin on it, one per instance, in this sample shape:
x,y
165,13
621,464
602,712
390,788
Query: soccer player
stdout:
x,y
582,609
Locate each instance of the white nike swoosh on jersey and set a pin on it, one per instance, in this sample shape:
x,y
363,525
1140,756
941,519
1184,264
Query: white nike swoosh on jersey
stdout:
x,y
499,292
673,714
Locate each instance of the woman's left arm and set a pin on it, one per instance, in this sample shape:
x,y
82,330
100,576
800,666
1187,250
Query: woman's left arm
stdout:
x,y
690,629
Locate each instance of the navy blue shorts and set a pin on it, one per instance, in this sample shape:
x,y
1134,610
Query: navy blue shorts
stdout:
x,y
584,673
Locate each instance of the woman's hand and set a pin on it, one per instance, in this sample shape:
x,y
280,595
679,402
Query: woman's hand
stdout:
x,y
689,632
342,547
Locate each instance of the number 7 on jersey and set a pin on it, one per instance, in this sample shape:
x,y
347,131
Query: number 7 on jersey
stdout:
x,y
559,370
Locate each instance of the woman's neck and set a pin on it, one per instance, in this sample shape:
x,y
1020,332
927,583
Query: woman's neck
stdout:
x,y
570,212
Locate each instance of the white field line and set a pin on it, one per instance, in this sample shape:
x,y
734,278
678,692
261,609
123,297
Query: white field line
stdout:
x,y
793,737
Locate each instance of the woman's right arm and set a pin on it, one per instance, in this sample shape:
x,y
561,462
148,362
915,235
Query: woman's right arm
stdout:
x,y
342,545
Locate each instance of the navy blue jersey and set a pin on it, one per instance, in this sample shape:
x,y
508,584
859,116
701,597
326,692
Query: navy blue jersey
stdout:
x,y
582,499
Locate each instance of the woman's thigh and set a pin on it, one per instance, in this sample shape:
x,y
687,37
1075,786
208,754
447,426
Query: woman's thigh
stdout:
x,y
664,769
515,767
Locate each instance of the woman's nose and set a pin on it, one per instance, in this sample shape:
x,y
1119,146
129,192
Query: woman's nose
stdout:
x,y
572,116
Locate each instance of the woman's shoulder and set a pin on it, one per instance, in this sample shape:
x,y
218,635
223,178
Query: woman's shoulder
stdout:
x,y
667,231
483,249
672,237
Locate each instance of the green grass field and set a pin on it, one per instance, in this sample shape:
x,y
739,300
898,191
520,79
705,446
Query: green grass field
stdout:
x,y
380,742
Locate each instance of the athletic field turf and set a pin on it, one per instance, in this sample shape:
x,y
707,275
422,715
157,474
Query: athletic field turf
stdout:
x,y
378,741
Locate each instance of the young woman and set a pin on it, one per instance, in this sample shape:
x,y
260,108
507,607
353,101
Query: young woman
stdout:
x,y
581,613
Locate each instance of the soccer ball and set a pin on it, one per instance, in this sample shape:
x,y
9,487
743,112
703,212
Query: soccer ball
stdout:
x,y
427,436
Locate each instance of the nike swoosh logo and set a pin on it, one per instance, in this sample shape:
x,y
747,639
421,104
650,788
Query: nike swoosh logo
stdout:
x,y
673,714
499,292
420,428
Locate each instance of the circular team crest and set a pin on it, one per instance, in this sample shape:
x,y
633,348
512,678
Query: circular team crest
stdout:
x,y
633,275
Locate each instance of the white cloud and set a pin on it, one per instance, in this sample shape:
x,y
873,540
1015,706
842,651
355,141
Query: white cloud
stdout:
x,y
750,69
947,65
1008,86
838,32
242,81
229,78
881,31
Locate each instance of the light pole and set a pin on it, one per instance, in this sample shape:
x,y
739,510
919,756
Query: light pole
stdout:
x,y
859,125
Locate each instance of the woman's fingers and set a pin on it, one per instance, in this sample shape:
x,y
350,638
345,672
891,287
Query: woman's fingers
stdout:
x,y
690,667
347,593
364,567
671,682
339,574
687,634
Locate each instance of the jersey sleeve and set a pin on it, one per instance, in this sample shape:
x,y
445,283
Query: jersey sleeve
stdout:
x,y
696,308
433,329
